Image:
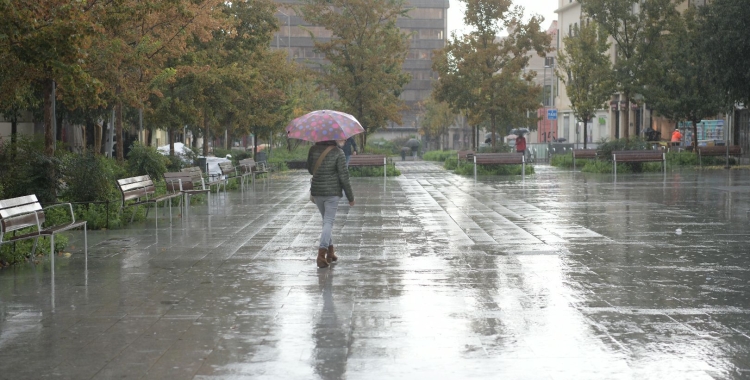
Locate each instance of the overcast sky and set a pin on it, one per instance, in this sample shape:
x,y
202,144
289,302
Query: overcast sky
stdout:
x,y
545,8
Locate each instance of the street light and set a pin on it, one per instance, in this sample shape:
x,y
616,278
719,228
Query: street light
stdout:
x,y
289,36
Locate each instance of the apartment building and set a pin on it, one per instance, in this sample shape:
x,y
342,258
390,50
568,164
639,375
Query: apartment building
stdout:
x,y
427,24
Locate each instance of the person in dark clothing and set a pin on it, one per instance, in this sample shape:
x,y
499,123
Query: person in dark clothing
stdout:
x,y
329,181
349,147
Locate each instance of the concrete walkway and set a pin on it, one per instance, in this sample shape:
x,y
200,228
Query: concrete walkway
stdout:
x,y
561,276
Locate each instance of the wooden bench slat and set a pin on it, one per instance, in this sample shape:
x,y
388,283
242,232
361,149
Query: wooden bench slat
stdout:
x,y
19,210
125,181
8,203
20,222
734,150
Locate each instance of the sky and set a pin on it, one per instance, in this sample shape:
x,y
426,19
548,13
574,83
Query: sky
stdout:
x,y
545,8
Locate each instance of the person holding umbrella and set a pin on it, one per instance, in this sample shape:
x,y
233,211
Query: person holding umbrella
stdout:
x,y
327,164
521,144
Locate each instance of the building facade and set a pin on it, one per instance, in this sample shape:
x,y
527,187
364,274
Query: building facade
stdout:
x,y
427,24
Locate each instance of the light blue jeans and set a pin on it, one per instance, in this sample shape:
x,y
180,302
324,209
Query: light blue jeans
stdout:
x,y
327,206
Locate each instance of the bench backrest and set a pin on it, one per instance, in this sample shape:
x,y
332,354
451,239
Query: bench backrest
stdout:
x,y
367,159
734,150
499,158
177,181
18,213
247,165
462,154
584,153
227,168
638,155
136,187
196,174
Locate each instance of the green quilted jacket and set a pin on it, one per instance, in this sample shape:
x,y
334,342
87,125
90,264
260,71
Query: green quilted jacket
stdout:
x,y
332,177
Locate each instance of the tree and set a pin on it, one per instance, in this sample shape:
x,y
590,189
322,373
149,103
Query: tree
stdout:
x,y
585,69
141,38
635,26
365,56
726,26
683,86
483,74
45,43
438,117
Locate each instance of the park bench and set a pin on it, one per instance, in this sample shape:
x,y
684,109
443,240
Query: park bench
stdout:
x,y
141,190
197,175
732,150
229,171
253,169
184,183
500,159
26,212
583,153
639,156
465,156
361,160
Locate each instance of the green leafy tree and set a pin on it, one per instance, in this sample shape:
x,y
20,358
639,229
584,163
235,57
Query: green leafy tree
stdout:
x,y
365,56
586,70
483,74
635,26
437,118
726,28
683,86
46,44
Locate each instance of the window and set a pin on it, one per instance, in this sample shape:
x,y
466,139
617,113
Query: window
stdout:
x,y
426,13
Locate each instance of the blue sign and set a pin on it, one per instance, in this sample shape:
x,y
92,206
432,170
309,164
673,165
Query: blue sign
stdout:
x,y
552,114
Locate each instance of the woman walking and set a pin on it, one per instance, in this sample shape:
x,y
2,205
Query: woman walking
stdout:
x,y
327,163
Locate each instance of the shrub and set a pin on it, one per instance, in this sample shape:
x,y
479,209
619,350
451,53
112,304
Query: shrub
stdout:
x,y
373,171
451,163
563,161
493,169
500,148
438,155
144,160
25,169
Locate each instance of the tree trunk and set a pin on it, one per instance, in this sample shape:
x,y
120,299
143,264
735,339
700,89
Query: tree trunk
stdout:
x,y
49,136
626,116
83,138
98,128
493,132
147,137
585,132
171,142
118,132
205,133
59,124
695,135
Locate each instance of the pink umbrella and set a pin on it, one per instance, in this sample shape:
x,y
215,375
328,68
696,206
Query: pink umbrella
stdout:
x,y
324,125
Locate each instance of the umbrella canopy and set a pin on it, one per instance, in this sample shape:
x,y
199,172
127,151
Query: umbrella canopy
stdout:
x,y
519,131
324,125
412,143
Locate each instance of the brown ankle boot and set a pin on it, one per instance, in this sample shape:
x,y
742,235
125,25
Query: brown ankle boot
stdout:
x,y
321,260
331,256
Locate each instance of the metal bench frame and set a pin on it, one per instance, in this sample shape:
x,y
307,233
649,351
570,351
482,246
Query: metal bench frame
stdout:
x,y
583,153
500,159
716,151
185,184
26,212
142,190
250,168
361,160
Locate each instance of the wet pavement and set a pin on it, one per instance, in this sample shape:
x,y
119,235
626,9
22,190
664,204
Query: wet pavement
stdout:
x,y
561,276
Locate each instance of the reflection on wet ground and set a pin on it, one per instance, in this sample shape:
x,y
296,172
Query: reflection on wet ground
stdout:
x,y
561,276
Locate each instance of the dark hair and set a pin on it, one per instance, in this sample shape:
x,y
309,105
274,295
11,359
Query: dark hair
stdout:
x,y
327,142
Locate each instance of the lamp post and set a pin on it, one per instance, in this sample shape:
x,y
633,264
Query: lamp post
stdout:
x,y
289,36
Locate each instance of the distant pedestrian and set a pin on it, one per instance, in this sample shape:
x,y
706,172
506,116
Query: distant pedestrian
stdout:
x,y
521,144
676,137
327,163
349,146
